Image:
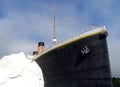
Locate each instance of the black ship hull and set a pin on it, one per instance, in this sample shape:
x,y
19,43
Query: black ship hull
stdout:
x,y
81,63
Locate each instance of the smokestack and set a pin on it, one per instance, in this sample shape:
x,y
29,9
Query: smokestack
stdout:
x,y
35,53
40,47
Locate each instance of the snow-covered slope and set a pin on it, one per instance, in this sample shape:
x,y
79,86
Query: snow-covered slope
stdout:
x,y
17,70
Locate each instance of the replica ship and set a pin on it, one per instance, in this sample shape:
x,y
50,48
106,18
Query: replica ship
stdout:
x,y
82,61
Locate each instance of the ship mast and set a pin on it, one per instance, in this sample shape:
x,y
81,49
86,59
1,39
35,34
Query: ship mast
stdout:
x,y
54,26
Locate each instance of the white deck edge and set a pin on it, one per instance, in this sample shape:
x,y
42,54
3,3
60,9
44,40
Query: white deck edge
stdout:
x,y
76,38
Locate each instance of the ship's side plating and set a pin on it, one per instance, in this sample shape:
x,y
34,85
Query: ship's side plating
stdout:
x,y
81,63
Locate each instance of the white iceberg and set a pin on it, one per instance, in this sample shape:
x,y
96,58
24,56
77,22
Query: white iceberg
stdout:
x,y
17,70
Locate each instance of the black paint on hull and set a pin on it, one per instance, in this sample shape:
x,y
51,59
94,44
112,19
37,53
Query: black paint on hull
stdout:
x,y
83,63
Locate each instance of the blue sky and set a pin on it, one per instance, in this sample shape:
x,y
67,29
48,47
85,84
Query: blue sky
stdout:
x,y
23,23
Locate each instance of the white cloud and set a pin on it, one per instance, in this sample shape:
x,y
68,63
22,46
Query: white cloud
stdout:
x,y
114,51
19,31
